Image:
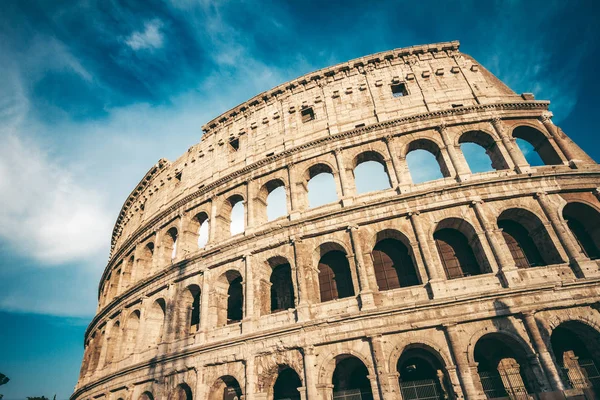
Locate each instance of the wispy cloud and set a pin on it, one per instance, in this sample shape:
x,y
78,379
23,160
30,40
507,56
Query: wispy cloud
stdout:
x,y
150,38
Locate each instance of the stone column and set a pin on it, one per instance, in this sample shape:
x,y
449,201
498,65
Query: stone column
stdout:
x,y
576,258
187,241
248,320
380,365
433,272
561,142
517,157
310,377
348,188
250,203
395,175
492,235
458,163
213,221
303,293
546,361
168,333
366,293
250,378
465,371
204,307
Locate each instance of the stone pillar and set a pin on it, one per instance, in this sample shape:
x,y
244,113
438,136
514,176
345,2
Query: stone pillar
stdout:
x,y
517,157
204,307
465,371
561,142
395,175
310,377
213,222
546,361
576,258
433,271
366,293
250,378
187,241
301,275
348,189
250,202
170,324
492,235
458,163
380,365
248,320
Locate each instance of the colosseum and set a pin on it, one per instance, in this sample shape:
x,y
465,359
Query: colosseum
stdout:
x,y
473,285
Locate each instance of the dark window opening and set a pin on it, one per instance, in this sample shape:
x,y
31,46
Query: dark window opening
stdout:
x,y
235,144
350,380
399,90
393,265
421,376
178,175
359,125
195,317
521,245
335,281
584,223
282,289
456,254
286,386
235,301
308,114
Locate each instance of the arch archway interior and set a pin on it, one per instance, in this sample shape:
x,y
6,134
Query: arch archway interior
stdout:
x,y
535,146
226,388
282,288
584,223
320,185
456,253
350,378
423,166
481,152
335,279
276,203
370,173
287,384
181,392
422,375
394,267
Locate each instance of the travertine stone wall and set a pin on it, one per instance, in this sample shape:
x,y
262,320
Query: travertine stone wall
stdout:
x,y
162,331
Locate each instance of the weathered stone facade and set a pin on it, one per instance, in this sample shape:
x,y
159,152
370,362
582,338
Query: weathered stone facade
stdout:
x,y
492,283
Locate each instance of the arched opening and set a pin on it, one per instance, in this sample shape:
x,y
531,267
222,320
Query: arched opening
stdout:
x,y
370,173
132,325
201,226
112,343
535,146
169,244
287,384
481,152
457,244
320,185
393,264
527,239
335,279
228,298
155,322
350,379
145,261
181,392
584,223
425,161
503,367
96,350
126,274
271,202
282,288
146,396
576,348
422,375
226,388
234,214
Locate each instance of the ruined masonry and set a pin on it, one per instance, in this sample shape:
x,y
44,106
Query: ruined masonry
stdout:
x,y
471,286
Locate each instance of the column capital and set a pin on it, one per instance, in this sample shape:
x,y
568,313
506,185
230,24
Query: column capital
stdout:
x,y
351,228
546,117
476,200
413,213
442,127
389,138
496,121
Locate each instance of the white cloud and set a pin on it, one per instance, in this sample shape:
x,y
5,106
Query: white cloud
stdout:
x,y
150,38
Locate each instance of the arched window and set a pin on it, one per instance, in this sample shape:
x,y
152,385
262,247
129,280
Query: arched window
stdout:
x,y
535,146
229,298
170,245
576,350
320,185
351,379
200,224
271,201
425,161
226,388
181,392
393,265
335,280
237,215
146,396
132,325
145,261
96,349
370,173
155,321
287,385
481,152
194,314
527,239
282,288
126,274
584,223
422,375
454,249
113,341
503,367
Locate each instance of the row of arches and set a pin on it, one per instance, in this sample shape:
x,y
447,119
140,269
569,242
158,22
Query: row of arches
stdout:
x,y
504,369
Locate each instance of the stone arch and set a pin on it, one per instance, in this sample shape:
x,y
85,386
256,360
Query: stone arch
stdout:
x,y
393,260
335,276
370,156
199,228
265,206
281,288
226,388
228,225
540,142
130,333
181,392
583,220
528,240
228,298
169,245
421,342
126,274
459,248
514,336
329,186
431,147
147,395
282,388
144,261
488,143
155,322
96,349
422,369
503,363
113,341
327,367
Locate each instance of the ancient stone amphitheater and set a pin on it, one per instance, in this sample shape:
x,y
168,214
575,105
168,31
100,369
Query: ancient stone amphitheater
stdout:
x,y
474,285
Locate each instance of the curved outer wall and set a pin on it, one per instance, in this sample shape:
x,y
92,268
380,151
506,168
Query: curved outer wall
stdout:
x,y
141,341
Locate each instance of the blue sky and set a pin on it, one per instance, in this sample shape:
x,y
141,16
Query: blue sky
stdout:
x,y
95,92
